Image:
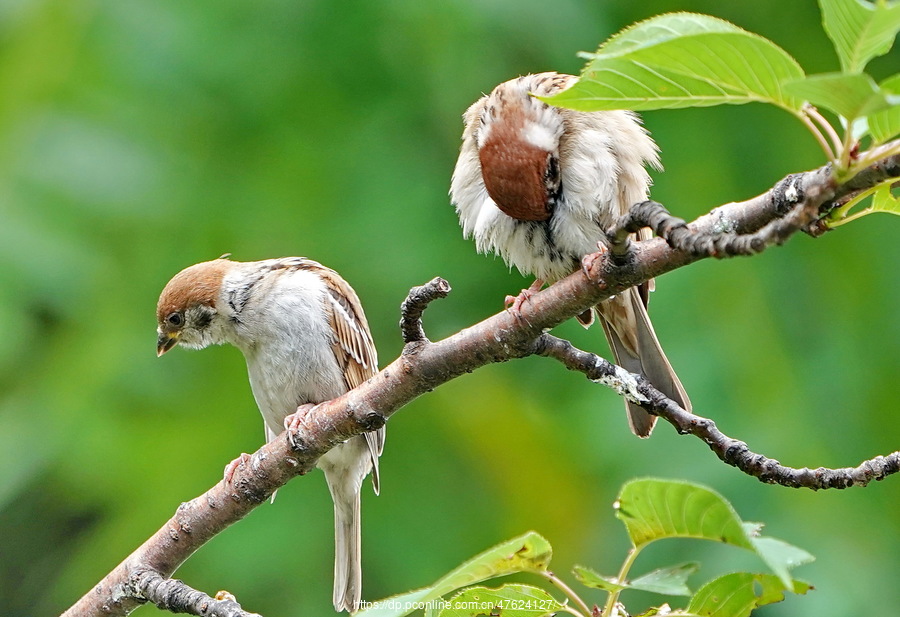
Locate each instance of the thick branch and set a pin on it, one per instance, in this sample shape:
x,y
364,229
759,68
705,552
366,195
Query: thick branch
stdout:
x,y
424,366
736,453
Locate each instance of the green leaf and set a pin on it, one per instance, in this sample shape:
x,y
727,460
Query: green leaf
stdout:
x,y
653,509
884,200
849,95
507,601
670,581
736,595
886,124
682,60
860,30
527,553
780,556
591,578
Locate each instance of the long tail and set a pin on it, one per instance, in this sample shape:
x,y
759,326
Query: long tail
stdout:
x,y
347,554
637,350
345,467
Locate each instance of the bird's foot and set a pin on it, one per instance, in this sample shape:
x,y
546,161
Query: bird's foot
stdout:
x,y
588,261
514,303
293,421
231,467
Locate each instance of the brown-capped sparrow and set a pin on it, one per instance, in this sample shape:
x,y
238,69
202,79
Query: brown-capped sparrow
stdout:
x,y
538,185
305,337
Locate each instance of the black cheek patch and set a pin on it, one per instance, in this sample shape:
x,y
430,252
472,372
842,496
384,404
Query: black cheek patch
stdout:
x,y
203,316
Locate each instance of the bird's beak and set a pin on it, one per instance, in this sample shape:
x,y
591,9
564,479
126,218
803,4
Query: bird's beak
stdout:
x,y
165,341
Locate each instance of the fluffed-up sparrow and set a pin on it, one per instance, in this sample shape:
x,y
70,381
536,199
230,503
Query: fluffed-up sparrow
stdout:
x,y
303,332
538,185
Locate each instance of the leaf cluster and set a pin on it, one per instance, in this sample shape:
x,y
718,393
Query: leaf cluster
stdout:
x,y
679,60
652,510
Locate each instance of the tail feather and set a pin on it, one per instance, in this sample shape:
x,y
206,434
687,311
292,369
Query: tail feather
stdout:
x,y
375,444
345,467
637,350
347,555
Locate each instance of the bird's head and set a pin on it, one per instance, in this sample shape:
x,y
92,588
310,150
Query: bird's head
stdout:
x,y
518,139
187,313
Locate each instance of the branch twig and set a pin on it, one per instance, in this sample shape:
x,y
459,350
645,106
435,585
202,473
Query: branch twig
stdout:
x,y
415,304
735,453
174,595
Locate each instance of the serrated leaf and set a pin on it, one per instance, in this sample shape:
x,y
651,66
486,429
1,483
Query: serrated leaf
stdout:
x,y
654,509
736,595
860,30
886,124
682,60
849,95
884,201
671,581
780,556
507,601
527,553
591,578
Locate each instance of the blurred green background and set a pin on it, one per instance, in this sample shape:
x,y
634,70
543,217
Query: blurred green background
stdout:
x,y
141,137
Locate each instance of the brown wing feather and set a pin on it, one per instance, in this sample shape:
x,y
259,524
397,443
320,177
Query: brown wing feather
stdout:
x,y
353,347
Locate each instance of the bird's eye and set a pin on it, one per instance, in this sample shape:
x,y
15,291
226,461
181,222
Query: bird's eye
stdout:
x,y
176,319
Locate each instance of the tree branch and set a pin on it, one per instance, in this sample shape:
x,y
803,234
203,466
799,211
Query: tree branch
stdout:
x,y
415,304
174,595
425,365
717,243
736,453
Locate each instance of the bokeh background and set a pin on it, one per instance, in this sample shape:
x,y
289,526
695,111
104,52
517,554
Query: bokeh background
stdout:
x,y
137,138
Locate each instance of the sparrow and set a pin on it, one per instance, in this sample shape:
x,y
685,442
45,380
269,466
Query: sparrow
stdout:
x,y
538,185
305,338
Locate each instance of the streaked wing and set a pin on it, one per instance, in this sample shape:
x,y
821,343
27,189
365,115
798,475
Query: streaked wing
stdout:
x,y
353,348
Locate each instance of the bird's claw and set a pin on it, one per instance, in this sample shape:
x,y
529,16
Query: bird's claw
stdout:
x,y
231,467
514,303
293,421
588,261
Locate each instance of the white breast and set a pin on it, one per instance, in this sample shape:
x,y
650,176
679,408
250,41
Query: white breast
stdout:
x,y
289,351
